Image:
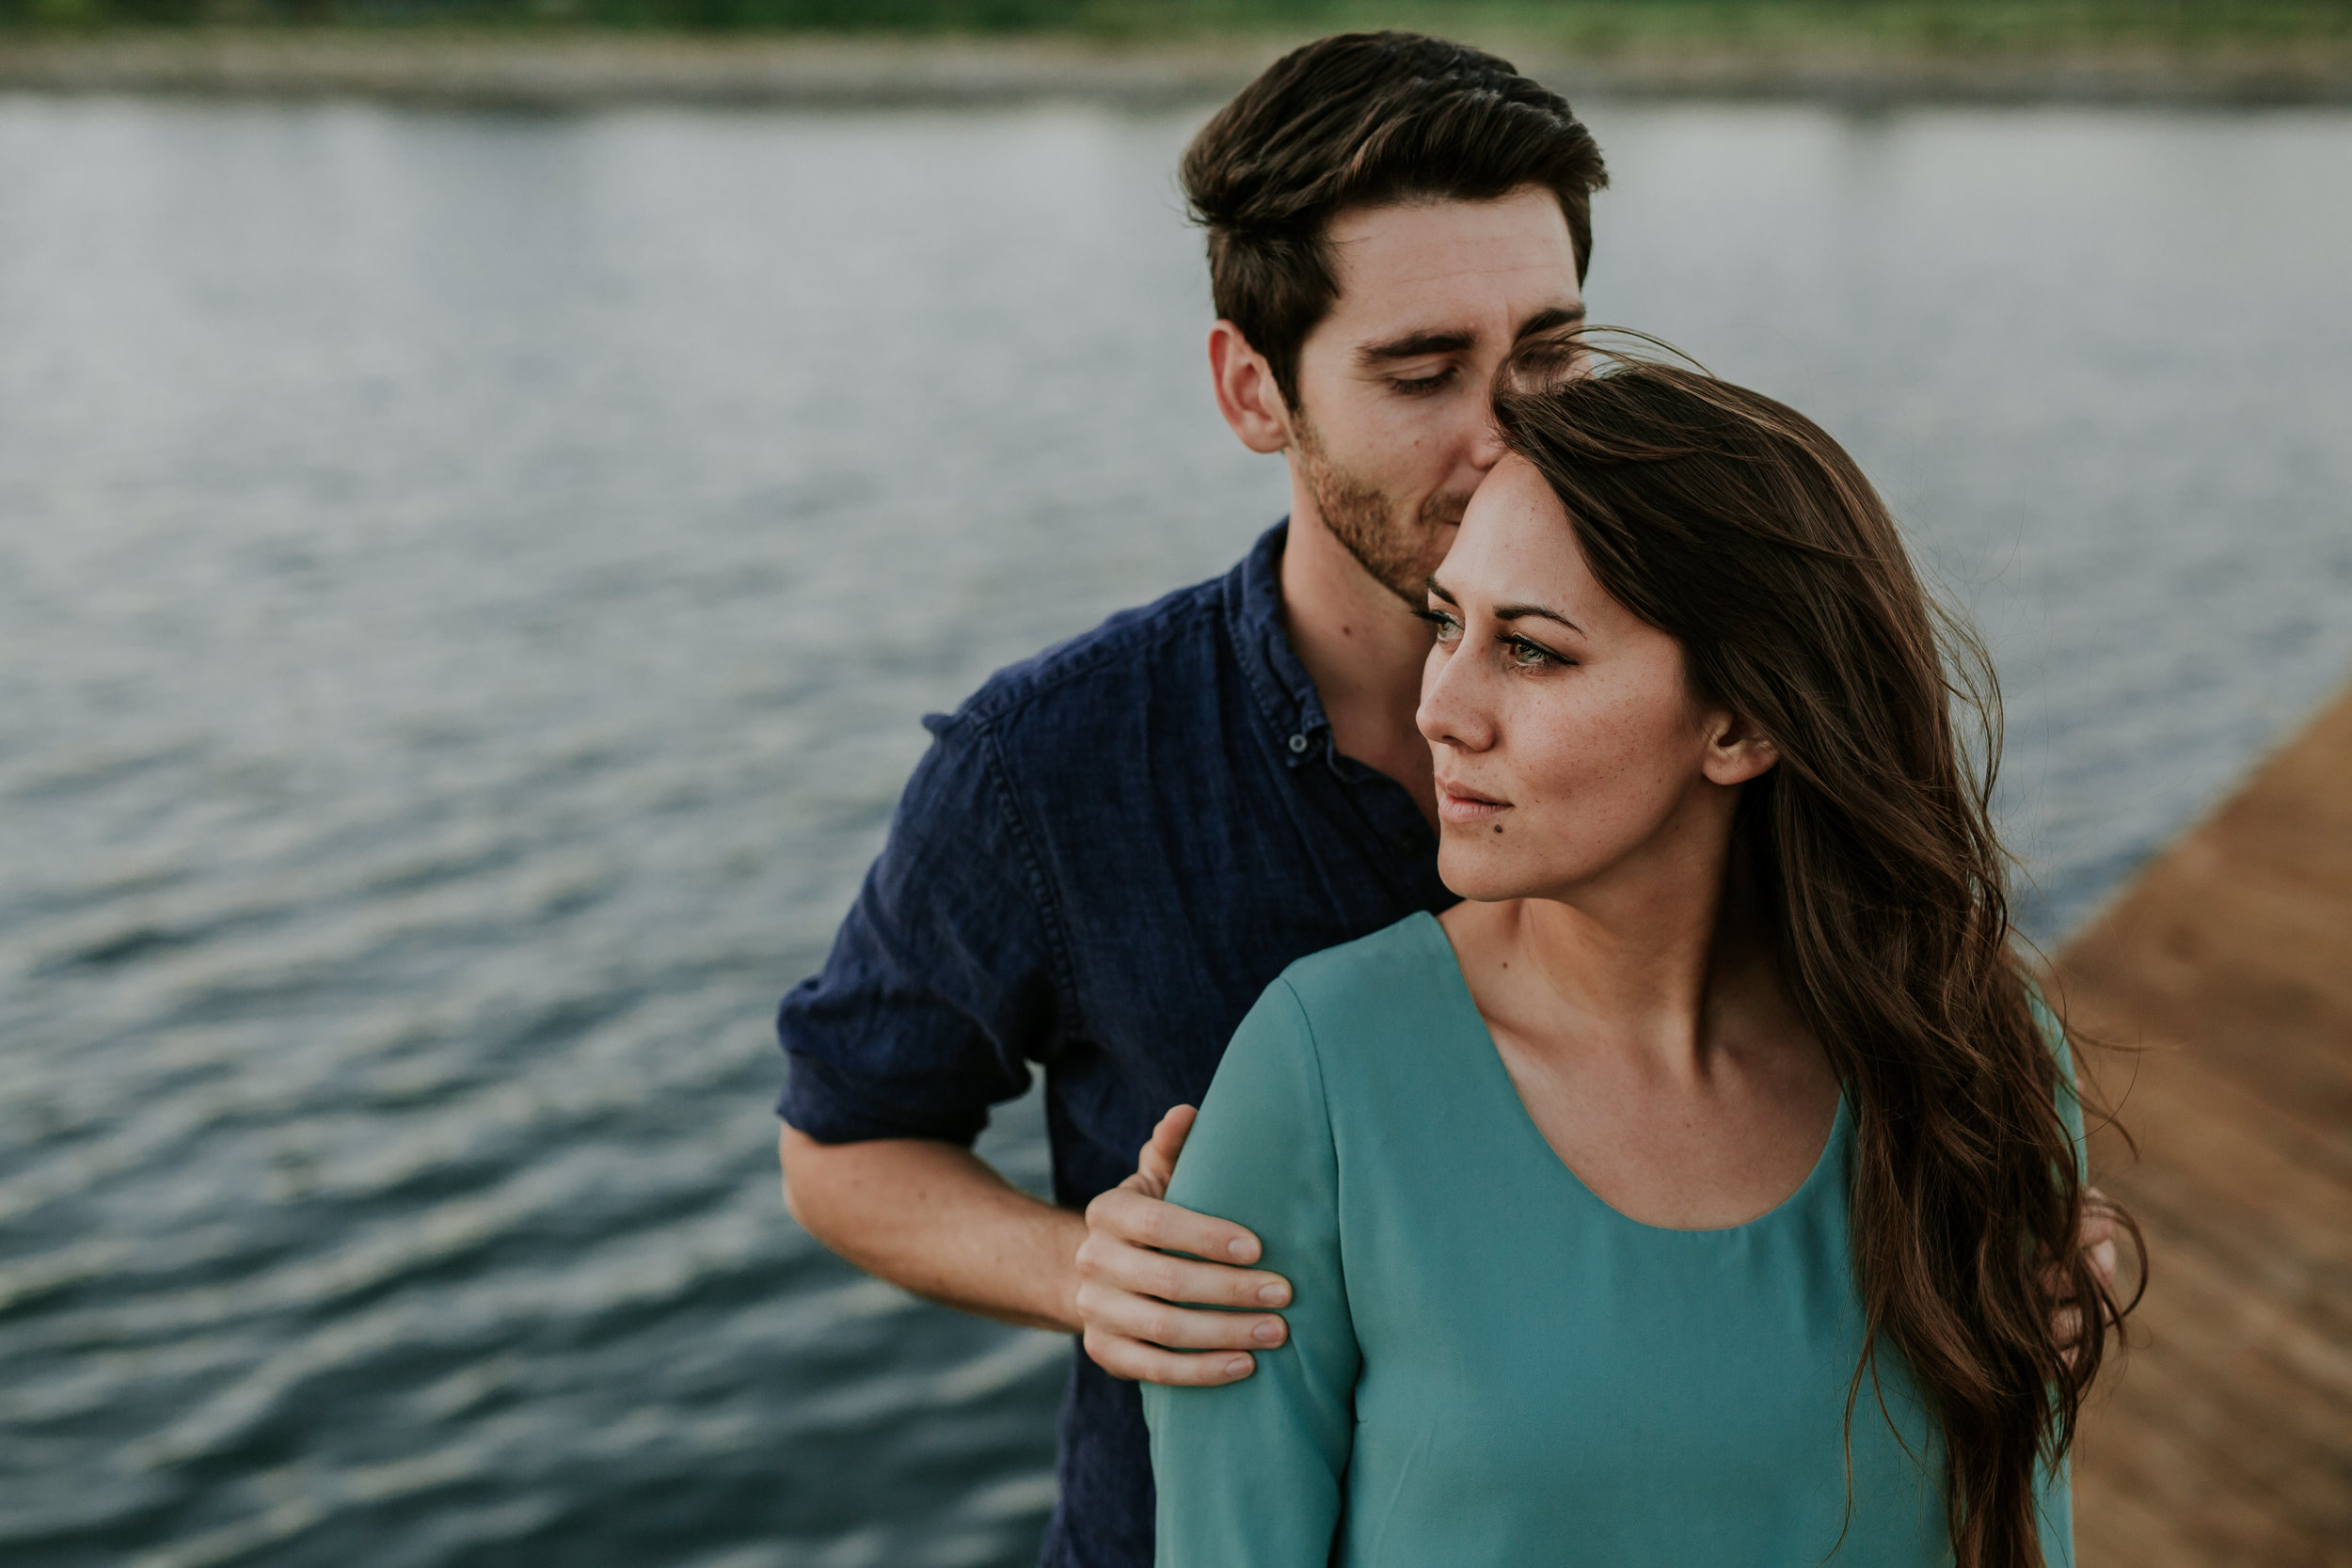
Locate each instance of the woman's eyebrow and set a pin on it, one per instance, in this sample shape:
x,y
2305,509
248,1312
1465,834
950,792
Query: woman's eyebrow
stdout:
x,y
1437,590
1520,611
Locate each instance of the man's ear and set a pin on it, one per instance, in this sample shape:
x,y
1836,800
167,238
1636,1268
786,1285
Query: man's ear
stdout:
x,y
1736,750
1246,391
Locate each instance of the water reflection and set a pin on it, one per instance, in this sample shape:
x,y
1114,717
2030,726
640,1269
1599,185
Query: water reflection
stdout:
x,y
466,584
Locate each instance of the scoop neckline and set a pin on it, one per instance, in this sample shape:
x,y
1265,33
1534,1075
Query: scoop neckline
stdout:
x,y
1500,1077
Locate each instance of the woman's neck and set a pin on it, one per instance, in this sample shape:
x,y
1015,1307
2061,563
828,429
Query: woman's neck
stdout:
x,y
1669,969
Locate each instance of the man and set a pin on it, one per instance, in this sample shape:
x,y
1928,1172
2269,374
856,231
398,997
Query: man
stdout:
x,y
1111,848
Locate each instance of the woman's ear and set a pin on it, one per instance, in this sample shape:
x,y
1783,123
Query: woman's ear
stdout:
x,y
1247,394
1736,750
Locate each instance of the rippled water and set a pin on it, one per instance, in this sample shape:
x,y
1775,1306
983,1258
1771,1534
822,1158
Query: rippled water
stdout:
x,y
466,586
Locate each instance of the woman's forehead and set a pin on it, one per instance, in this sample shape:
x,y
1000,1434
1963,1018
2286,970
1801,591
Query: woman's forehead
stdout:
x,y
1515,529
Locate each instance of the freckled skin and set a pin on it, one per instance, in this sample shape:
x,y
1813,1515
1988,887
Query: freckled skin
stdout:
x,y
1587,803
1599,750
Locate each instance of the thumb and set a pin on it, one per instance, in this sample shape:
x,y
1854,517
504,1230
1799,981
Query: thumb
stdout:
x,y
1157,1163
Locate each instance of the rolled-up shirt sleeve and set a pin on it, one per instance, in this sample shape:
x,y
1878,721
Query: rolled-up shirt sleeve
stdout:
x,y
942,981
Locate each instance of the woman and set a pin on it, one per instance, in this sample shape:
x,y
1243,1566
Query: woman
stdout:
x,y
1701,1190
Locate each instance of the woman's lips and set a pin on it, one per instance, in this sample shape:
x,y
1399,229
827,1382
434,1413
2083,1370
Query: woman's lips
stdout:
x,y
1458,804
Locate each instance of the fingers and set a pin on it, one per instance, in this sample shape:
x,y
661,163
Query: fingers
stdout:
x,y
1106,1260
1156,1165
1141,1363
1137,1218
2067,1325
2097,1236
1145,1340
1131,1281
1160,1277
1121,1314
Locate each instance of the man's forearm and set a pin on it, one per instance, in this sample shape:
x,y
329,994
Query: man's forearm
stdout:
x,y
936,1220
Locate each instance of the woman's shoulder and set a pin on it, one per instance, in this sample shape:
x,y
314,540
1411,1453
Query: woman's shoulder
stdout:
x,y
1376,986
1337,1039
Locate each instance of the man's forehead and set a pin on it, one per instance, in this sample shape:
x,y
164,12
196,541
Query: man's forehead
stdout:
x,y
1441,267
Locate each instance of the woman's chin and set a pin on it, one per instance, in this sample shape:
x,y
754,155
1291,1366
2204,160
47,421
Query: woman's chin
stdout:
x,y
1480,873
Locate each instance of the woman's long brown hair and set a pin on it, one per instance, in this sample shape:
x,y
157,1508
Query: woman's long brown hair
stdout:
x,y
1740,527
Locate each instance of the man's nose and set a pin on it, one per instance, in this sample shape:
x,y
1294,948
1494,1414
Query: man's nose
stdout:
x,y
1487,448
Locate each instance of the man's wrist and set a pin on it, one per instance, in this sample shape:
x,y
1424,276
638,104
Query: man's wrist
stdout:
x,y
1066,1278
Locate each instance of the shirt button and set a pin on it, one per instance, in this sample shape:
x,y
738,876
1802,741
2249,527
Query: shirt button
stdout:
x,y
1298,745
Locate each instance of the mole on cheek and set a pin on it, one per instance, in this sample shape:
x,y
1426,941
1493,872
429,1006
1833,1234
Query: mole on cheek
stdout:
x,y
1498,827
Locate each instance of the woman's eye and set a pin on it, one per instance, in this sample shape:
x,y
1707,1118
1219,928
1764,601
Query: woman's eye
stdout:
x,y
1527,656
1448,628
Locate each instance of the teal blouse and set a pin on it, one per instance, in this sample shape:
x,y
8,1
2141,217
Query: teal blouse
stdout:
x,y
1489,1367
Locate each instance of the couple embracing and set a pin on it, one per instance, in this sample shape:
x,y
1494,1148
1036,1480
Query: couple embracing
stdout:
x,y
1552,864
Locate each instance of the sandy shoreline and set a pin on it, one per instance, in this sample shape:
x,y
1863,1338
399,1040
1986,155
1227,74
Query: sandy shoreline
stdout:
x,y
585,71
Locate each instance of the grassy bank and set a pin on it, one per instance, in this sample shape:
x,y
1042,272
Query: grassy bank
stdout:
x,y
564,54
1966,27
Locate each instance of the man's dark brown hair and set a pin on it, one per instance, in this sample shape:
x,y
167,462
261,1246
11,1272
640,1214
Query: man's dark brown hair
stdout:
x,y
1357,120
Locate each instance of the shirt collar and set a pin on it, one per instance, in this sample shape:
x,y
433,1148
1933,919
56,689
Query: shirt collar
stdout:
x,y
1286,698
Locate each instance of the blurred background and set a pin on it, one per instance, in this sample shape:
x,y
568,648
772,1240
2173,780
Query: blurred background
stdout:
x,y
487,489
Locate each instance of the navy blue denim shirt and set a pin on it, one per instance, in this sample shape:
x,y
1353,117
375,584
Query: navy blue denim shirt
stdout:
x,y
1109,850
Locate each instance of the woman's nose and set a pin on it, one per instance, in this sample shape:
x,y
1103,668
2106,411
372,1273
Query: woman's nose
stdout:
x,y
1449,713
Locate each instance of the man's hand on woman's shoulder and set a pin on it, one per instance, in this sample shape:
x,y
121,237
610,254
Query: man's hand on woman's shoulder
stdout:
x,y
2096,1239
1129,1283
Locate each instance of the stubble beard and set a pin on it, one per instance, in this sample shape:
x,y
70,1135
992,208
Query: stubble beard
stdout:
x,y
1399,553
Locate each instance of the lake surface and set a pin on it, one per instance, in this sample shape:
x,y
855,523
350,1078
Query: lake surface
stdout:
x,y
468,586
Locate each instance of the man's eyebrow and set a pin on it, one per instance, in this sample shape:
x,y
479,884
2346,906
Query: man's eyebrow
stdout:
x,y
1550,321
1413,345
1520,611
